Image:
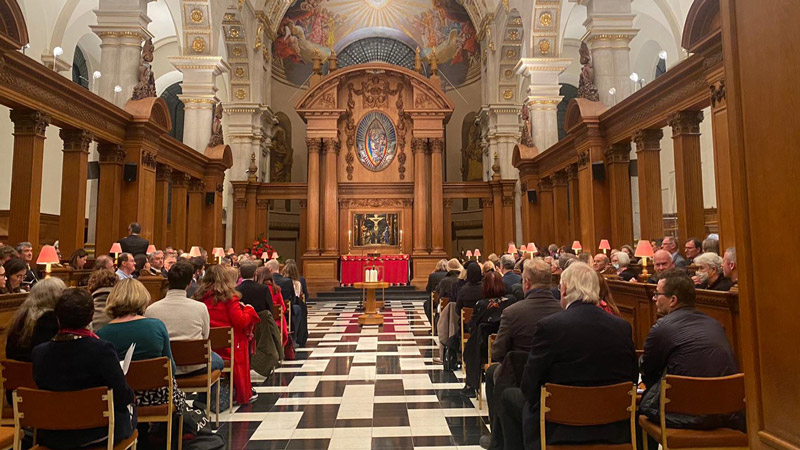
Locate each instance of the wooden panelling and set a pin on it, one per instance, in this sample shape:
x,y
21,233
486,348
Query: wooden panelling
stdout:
x,y
8,306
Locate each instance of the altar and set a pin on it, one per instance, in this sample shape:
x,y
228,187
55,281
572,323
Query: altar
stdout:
x,y
392,269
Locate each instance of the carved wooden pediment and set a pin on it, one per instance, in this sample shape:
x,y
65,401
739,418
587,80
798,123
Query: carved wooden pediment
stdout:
x,y
13,31
581,110
150,109
702,23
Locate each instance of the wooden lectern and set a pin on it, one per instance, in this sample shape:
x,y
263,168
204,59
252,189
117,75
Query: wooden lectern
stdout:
x,y
371,315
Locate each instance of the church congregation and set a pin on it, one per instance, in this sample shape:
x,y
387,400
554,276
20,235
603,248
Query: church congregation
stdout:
x,y
398,225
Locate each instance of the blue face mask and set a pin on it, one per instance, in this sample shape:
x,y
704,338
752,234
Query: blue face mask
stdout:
x,y
616,266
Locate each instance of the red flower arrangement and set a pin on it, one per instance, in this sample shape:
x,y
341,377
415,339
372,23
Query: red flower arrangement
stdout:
x,y
260,246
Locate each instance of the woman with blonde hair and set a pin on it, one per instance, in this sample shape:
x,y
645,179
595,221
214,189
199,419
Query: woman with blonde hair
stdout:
x,y
34,322
219,295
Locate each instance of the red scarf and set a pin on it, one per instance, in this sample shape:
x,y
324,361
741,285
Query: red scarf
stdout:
x,y
79,332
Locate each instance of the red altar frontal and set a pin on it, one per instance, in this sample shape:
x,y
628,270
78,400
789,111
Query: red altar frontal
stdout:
x,y
393,269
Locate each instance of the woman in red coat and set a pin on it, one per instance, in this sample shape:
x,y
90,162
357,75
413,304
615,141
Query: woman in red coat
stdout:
x,y
264,276
219,295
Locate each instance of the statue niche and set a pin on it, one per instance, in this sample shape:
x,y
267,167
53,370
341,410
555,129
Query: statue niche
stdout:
x,y
472,155
281,157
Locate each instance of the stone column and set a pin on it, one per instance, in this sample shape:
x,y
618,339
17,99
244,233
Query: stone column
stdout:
x,y
418,148
252,228
180,185
503,133
447,225
74,168
312,241
543,97
574,203
510,193
262,217
194,213
330,217
437,205
546,210
648,154
619,187
561,208
121,27
609,31
163,176
199,96
688,173
112,156
26,173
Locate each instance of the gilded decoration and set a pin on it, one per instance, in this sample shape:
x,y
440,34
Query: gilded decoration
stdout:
x,y
241,94
508,73
239,72
511,53
513,35
546,19
237,51
234,33
516,21
196,15
376,141
198,45
544,46
508,94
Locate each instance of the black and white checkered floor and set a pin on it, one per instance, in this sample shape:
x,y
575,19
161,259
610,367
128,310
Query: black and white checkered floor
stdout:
x,y
360,388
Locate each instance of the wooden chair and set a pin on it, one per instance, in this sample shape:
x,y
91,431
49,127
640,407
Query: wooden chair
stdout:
x,y
492,338
6,438
695,397
586,406
69,410
466,315
186,353
434,312
149,374
13,375
222,337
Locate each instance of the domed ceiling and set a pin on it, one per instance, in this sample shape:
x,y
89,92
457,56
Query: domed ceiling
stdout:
x,y
311,26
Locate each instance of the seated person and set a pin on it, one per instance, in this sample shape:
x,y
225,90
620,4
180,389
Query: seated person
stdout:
x,y
254,294
156,260
101,282
692,249
445,286
602,264
507,269
78,259
684,342
517,323
662,261
35,321
621,262
142,267
103,262
710,274
15,268
433,281
472,290
581,346
77,359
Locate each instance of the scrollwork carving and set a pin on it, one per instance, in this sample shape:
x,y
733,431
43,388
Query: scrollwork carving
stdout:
x,y
583,158
149,160
618,153
29,122
718,93
375,202
163,172
111,153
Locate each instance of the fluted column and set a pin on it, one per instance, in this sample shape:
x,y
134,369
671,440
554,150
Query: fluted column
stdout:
x,y
194,213
312,213
112,156
75,165
619,183
546,210
574,203
163,176
330,218
648,154
180,186
688,173
418,148
26,172
437,206
561,207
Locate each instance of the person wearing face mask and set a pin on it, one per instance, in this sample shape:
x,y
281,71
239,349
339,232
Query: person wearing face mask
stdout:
x,y
621,261
709,273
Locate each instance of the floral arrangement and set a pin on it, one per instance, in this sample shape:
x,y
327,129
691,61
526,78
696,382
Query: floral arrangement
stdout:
x,y
261,246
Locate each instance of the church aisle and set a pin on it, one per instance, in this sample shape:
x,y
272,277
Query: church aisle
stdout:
x,y
360,388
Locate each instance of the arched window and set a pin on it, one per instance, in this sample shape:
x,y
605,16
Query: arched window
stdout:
x,y
569,92
378,49
175,106
661,67
80,73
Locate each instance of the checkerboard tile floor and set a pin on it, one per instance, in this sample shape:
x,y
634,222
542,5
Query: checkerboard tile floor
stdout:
x,y
360,388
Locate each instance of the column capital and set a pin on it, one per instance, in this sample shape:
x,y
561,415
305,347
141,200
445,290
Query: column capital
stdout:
x,y
546,184
163,172
686,123
262,203
330,145
29,122
618,153
76,140
572,172
180,179
196,185
648,139
314,145
111,153
560,178
419,145
436,145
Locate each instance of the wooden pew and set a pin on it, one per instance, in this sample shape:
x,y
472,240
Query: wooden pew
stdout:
x,y
71,277
156,286
8,306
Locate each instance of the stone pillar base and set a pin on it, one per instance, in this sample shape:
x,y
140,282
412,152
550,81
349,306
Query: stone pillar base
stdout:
x,y
421,267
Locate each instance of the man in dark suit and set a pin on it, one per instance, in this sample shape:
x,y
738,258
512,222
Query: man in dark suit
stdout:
x,y
581,346
133,243
286,285
670,244
516,333
507,269
254,294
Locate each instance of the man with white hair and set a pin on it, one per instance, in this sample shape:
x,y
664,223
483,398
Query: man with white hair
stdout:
x,y
662,261
580,346
710,274
507,269
729,265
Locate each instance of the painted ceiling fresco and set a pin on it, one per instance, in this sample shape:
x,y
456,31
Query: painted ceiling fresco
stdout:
x,y
311,26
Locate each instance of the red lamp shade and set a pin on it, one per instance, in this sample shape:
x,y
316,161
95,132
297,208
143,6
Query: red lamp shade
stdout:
x,y
218,252
524,248
512,249
231,251
532,248
576,245
151,249
604,245
644,249
274,255
115,248
48,255
469,254
265,256
195,251
477,253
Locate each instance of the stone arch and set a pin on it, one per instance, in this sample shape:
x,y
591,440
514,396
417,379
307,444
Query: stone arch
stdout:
x,y
13,31
568,92
80,68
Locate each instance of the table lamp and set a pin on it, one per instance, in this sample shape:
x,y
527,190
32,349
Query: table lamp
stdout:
x,y
231,251
116,249
469,255
477,254
264,256
532,248
604,245
47,257
275,255
150,249
523,249
576,245
195,251
644,250
512,249
219,253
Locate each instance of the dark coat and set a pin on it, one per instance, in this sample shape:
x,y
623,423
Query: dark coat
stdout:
x,y
518,321
46,327
71,365
516,292
580,346
627,274
434,279
256,295
134,244
269,347
510,279
469,294
690,343
286,285
445,287
722,284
